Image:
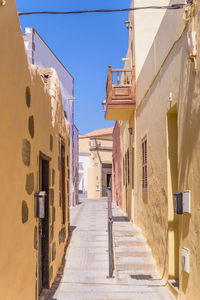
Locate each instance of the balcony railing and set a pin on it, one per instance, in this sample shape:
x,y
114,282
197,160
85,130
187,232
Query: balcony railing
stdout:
x,y
120,93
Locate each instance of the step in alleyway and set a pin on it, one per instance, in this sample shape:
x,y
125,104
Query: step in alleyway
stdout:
x,y
86,269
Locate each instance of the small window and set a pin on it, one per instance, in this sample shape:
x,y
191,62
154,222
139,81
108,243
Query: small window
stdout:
x,y
128,167
144,163
123,171
132,168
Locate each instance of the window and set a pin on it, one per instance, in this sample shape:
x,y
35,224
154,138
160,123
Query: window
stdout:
x,y
144,163
123,171
132,168
128,167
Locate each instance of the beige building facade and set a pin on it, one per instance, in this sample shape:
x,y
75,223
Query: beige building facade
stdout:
x,y
165,141
34,159
97,146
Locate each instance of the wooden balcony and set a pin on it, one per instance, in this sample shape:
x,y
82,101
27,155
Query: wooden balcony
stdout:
x,y
120,99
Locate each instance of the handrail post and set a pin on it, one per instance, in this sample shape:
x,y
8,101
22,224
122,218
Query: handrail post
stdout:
x,y
110,234
109,83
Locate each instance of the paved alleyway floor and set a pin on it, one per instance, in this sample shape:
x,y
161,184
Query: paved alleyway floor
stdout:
x,y
86,269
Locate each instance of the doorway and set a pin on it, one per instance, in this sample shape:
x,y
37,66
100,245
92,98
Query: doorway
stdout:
x,y
43,245
172,166
109,180
106,178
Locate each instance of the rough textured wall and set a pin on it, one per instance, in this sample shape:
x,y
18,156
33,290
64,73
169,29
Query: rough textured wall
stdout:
x,y
146,24
189,167
116,166
31,122
126,144
177,77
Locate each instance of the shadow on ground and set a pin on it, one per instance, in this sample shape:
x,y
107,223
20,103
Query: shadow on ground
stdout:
x,y
51,292
120,219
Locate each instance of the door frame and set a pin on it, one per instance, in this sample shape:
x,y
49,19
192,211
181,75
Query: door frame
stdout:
x,y
43,239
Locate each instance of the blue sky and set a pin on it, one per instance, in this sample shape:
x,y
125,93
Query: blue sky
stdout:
x,y
86,45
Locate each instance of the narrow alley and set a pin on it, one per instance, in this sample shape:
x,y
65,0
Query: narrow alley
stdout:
x,y
100,150
86,269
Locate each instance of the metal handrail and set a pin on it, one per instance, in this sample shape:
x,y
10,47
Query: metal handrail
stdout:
x,y
110,233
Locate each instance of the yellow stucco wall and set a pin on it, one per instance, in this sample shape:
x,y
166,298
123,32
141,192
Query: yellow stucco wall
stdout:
x,y
167,113
18,119
156,118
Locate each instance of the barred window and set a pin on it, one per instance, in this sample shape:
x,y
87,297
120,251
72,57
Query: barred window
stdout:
x,y
144,163
132,168
128,167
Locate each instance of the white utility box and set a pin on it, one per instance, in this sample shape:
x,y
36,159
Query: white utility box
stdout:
x,y
192,44
186,259
187,202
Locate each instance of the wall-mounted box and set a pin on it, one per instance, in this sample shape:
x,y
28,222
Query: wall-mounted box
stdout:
x,y
187,202
178,203
186,259
192,44
40,204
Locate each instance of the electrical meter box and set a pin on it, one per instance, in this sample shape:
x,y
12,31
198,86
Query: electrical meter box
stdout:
x,y
185,257
40,204
187,202
178,203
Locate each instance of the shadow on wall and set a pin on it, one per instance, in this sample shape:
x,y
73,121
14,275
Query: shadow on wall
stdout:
x,y
190,132
189,112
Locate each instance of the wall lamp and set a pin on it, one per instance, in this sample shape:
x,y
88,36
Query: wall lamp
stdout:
x,y
2,2
128,24
130,130
104,105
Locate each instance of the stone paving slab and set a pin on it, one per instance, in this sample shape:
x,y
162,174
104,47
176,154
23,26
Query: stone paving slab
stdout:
x,y
86,268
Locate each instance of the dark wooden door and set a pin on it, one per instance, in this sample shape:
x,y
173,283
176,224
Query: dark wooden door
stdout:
x,y
43,247
63,183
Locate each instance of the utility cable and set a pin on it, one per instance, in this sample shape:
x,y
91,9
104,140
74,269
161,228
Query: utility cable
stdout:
x,y
173,6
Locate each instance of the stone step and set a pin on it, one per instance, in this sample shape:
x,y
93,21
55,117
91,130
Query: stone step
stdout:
x,y
139,267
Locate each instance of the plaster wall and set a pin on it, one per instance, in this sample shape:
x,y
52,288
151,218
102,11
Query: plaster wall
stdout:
x,y
41,55
97,157
116,166
126,145
145,26
75,165
28,126
177,76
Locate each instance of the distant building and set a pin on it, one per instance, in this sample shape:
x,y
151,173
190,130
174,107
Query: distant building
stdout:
x,y
95,162
42,56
